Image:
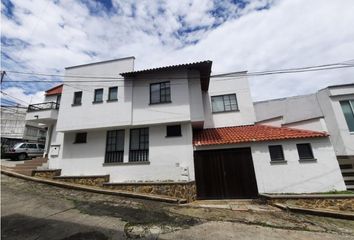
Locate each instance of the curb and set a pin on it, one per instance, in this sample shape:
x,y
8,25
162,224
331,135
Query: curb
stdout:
x,y
96,190
306,196
322,213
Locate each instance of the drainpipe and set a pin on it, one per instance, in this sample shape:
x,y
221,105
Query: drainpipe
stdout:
x,y
48,140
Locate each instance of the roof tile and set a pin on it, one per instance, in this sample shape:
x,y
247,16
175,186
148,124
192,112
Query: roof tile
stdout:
x,y
249,133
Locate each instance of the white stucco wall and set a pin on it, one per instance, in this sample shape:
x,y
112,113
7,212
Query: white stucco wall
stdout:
x,y
221,86
317,124
177,111
89,115
167,156
294,176
341,138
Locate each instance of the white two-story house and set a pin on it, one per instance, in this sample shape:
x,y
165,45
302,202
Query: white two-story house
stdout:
x,y
177,131
330,109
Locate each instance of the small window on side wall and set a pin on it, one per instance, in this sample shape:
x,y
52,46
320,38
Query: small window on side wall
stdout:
x,y
80,137
98,95
173,131
305,151
77,98
276,153
112,94
224,103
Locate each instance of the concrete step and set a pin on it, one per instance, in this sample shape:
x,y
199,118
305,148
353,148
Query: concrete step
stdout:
x,y
25,167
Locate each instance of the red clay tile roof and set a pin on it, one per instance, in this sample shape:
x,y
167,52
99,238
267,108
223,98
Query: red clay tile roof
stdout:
x,y
55,90
249,133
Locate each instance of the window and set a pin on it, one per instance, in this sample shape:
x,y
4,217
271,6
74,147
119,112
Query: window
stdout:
x,y
160,92
139,145
113,94
348,110
305,151
173,131
80,137
276,153
32,145
98,95
41,146
77,98
224,103
31,131
23,146
114,146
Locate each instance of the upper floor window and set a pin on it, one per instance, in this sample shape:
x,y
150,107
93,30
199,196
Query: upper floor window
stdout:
x,y
113,94
348,110
224,103
276,153
77,98
98,95
160,92
305,151
80,137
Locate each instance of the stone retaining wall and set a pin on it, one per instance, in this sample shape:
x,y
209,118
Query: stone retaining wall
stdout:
x,y
85,180
344,204
183,190
48,173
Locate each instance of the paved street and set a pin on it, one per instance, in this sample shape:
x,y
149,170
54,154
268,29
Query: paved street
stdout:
x,y
32,210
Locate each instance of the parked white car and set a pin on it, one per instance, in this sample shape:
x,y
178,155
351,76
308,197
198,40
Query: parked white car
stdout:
x,y
24,150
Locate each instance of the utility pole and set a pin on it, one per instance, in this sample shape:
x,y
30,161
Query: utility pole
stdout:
x,y
2,75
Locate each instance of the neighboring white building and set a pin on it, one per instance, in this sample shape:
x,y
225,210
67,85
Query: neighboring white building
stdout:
x,y
173,125
14,127
330,109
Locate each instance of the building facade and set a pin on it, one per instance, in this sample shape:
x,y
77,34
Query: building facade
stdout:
x,y
167,125
330,109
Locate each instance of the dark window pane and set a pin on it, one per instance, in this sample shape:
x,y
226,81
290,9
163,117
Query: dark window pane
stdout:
x,y
276,153
155,93
98,95
134,139
174,130
80,137
139,144
114,146
347,107
113,93
304,151
77,98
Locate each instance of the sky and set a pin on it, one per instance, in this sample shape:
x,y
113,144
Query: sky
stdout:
x,y
255,35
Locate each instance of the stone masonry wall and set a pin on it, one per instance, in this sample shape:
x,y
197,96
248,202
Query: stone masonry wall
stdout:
x,y
183,190
46,173
85,180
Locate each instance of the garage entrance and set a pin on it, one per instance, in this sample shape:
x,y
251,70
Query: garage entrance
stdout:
x,y
225,174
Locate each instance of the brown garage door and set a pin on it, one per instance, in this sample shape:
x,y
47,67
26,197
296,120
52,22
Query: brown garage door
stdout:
x,y
226,173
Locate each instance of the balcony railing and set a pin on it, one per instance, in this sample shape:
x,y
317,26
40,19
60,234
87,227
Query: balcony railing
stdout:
x,y
42,106
138,155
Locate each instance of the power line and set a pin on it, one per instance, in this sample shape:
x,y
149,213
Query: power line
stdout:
x,y
225,75
13,97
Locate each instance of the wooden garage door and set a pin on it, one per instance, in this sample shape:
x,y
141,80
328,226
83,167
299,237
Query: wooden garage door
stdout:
x,y
223,174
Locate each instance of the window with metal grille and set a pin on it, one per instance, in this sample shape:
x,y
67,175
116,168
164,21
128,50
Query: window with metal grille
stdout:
x,y
276,153
80,137
114,146
98,95
77,98
160,92
348,110
224,103
173,131
113,94
305,151
139,145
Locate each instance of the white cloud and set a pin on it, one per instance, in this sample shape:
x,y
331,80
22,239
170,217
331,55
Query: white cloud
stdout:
x,y
21,97
288,34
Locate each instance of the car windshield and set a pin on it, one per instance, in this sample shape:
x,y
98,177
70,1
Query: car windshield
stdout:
x,y
17,144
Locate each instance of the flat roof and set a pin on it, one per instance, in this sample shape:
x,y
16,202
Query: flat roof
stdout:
x,y
107,61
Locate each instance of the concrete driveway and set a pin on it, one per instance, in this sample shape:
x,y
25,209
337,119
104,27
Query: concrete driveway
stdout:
x,y
32,210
